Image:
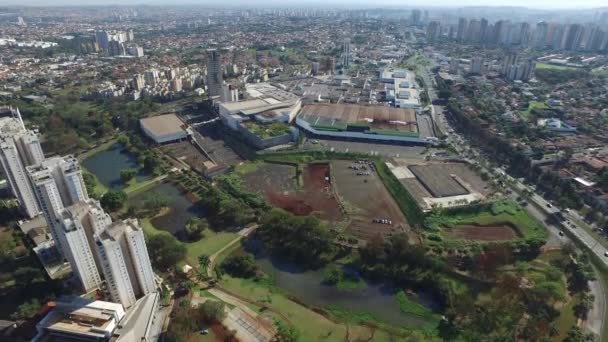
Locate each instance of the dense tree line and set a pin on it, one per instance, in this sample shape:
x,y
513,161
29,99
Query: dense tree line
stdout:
x,y
301,239
518,161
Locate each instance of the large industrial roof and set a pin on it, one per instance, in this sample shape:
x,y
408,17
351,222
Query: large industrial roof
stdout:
x,y
163,125
381,117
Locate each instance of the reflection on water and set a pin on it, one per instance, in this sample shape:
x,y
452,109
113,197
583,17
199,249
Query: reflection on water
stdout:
x,y
308,286
106,165
181,209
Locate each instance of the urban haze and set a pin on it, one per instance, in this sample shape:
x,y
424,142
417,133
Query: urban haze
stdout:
x,y
307,171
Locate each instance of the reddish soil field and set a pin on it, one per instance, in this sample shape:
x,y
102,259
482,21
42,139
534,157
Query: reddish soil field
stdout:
x,y
315,197
482,233
220,332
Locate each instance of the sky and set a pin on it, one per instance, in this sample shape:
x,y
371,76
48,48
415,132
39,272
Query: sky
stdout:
x,y
545,4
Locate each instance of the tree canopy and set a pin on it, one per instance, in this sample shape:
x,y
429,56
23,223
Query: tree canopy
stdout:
x,y
303,240
165,251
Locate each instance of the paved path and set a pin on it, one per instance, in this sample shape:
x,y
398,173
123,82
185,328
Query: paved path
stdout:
x,y
595,316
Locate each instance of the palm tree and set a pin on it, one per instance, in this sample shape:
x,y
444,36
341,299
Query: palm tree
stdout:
x,y
203,262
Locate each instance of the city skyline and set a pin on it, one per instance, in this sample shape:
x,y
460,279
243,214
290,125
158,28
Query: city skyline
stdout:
x,y
536,4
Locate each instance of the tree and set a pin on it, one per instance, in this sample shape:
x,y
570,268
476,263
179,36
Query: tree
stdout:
x,y
332,275
584,305
203,262
242,266
7,247
165,251
300,239
285,333
113,200
155,201
127,174
195,228
26,275
213,310
151,162
26,310
576,334
90,182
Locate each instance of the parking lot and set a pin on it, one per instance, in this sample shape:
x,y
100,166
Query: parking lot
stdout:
x,y
387,150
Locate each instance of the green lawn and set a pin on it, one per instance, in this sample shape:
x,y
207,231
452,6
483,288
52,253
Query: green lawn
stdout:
x,y
551,66
500,212
209,244
525,114
566,319
406,305
272,130
99,188
311,325
134,187
99,148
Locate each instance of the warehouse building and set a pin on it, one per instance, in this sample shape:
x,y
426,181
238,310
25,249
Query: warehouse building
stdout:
x,y
375,123
165,128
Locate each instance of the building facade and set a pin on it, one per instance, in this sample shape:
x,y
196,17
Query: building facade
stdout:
x,y
19,148
125,263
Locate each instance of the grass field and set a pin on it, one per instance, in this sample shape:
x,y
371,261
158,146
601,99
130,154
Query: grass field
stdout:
x,y
209,244
497,214
555,67
406,305
99,188
525,114
101,147
311,325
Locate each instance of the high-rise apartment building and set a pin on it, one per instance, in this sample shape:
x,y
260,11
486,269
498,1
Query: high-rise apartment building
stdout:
x,y
79,222
572,38
433,31
125,262
415,17
477,65
139,82
102,38
346,54
19,148
454,64
57,183
540,35
215,78
462,29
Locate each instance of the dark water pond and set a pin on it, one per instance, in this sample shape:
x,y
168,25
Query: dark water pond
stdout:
x,y
181,209
106,165
308,286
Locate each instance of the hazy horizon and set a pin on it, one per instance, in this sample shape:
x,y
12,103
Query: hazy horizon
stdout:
x,y
532,4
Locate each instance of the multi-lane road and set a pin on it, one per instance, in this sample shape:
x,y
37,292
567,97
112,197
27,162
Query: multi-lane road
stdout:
x,y
560,233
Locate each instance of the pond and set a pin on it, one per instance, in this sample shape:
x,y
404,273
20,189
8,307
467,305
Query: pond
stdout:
x,y
309,287
181,209
106,165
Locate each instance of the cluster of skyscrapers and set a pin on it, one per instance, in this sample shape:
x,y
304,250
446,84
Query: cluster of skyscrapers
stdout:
x,y
116,43
544,35
514,70
83,232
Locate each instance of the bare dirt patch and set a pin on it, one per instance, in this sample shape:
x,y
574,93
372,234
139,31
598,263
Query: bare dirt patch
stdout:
x,y
501,232
278,183
365,198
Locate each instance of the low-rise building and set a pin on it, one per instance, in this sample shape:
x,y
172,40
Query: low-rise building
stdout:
x,y
165,128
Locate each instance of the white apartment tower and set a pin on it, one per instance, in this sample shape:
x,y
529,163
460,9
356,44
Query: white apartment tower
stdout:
x,y
19,148
346,54
125,263
57,183
79,223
